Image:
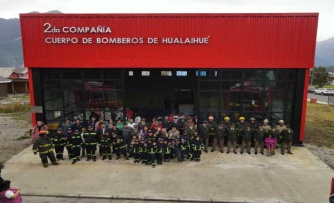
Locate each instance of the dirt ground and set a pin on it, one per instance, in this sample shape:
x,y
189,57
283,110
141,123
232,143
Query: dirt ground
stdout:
x,y
14,128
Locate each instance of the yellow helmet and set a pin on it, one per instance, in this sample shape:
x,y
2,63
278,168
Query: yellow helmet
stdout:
x,y
242,118
227,118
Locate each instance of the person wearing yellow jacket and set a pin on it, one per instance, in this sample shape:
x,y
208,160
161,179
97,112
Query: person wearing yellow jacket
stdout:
x,y
44,146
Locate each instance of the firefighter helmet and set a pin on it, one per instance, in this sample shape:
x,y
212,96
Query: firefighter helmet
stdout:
x,y
42,132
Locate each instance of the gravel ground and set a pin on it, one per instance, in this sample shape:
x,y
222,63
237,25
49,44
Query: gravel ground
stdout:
x,y
323,153
14,127
13,134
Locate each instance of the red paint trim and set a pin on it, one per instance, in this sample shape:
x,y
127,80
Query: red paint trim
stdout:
x,y
32,98
166,14
303,116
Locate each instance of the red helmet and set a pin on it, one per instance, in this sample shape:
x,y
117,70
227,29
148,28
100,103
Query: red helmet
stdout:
x,y
42,132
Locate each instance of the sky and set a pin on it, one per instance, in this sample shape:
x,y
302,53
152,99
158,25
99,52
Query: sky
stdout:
x,y
325,8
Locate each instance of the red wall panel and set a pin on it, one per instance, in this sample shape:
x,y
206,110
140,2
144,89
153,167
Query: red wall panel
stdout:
x,y
235,41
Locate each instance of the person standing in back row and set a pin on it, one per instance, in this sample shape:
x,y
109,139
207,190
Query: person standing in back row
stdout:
x,y
232,138
204,134
259,139
247,135
287,135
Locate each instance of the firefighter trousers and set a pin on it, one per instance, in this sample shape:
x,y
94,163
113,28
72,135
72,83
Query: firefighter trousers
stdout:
x,y
59,151
50,155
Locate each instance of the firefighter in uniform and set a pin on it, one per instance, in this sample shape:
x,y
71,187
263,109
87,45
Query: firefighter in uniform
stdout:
x,y
231,133
160,151
75,142
68,146
120,146
241,126
247,135
151,149
105,144
204,134
142,151
212,127
219,138
135,152
266,127
287,135
44,146
226,125
259,139
280,128
59,141
90,143
197,146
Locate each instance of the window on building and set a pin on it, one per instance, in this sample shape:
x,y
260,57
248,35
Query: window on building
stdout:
x,y
181,73
202,73
166,73
145,73
130,73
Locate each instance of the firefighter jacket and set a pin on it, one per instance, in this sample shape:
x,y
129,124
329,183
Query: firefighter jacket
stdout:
x,y
197,145
190,130
142,148
105,140
135,148
43,145
260,135
203,131
75,140
58,139
287,135
183,145
231,134
67,138
241,126
212,126
160,148
151,148
118,142
90,137
247,135
168,148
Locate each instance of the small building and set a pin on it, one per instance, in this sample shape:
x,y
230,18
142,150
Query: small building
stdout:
x,y
19,80
3,86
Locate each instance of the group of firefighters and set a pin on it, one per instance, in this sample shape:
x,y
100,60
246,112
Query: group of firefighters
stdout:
x,y
160,141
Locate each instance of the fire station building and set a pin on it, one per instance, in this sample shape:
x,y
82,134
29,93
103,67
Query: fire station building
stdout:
x,y
251,65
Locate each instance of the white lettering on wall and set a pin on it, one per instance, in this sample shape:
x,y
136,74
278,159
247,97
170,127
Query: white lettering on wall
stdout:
x,y
105,39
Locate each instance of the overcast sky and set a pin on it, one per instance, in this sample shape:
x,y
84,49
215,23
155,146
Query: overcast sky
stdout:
x,y
325,8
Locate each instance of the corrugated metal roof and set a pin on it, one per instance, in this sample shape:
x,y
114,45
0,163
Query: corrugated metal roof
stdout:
x,y
6,72
4,80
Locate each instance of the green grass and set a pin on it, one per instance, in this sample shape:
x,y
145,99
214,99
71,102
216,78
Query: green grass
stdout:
x,y
329,86
23,137
319,126
14,107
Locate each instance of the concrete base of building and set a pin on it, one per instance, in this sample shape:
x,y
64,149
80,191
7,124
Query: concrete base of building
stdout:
x,y
219,177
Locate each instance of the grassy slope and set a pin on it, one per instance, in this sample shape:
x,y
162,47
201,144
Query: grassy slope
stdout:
x,y
319,129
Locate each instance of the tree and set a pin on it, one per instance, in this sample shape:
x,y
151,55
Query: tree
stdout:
x,y
320,76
